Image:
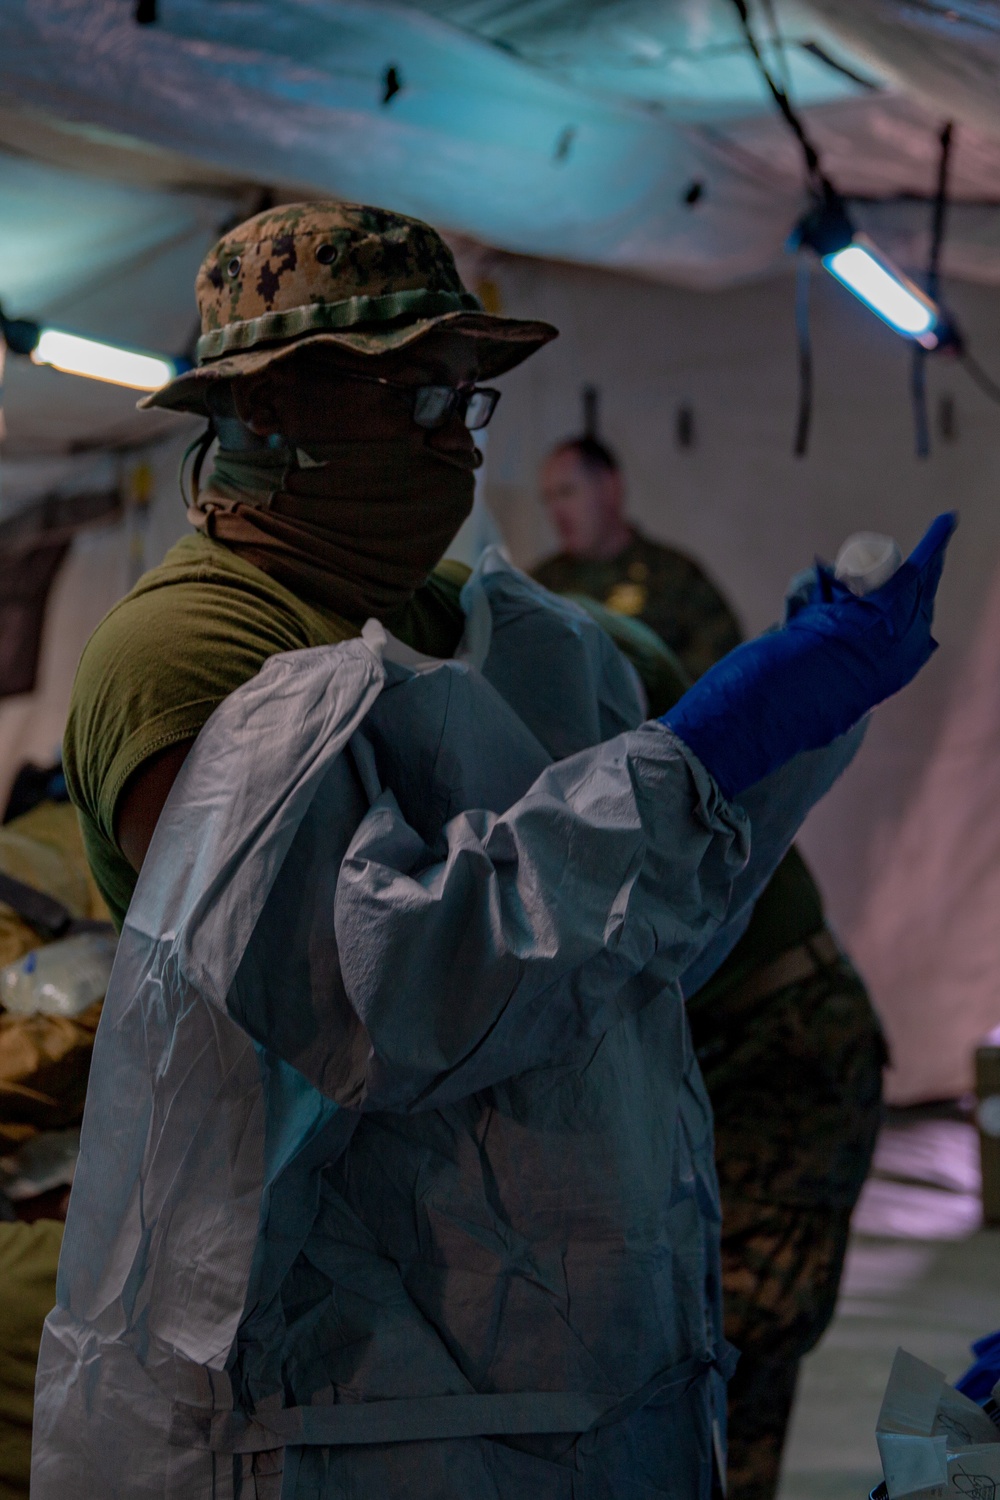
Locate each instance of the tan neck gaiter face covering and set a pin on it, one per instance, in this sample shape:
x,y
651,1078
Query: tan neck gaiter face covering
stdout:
x,y
350,527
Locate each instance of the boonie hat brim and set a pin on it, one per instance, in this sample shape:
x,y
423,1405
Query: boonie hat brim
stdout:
x,y
501,343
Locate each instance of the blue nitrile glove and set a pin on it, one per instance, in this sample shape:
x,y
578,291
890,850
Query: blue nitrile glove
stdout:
x,y
800,687
977,1383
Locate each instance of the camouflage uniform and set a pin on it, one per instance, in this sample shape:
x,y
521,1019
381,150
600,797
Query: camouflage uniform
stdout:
x,y
792,1058
659,586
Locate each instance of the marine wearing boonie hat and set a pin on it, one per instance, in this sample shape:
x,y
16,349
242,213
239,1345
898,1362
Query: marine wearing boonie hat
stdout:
x,y
361,279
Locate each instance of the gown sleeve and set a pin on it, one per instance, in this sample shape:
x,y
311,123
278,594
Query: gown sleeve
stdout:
x,y
534,930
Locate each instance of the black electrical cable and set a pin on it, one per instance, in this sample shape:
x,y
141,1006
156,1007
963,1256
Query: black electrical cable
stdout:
x,y
932,281
953,339
824,192
939,222
784,104
778,43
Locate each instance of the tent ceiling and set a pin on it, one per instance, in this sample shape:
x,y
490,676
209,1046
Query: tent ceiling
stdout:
x,y
98,152
689,59
567,128
946,52
573,129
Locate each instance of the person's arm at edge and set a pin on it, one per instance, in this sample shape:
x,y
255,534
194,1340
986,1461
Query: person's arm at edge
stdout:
x,y
142,800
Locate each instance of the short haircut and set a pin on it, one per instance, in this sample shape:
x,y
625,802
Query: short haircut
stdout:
x,y
592,453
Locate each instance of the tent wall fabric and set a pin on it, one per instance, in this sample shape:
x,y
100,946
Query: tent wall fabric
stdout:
x,y
928,931
102,563
946,53
753,514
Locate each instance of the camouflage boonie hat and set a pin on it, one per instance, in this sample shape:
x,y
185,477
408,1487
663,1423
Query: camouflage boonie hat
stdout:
x,y
363,279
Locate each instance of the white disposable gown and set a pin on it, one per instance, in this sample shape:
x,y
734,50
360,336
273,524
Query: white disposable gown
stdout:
x,y
396,1179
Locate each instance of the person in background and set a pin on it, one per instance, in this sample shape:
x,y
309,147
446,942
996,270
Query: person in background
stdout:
x,y
789,1046
606,557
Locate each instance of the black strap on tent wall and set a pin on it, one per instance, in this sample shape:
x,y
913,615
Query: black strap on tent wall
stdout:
x,y
932,283
803,279
33,545
591,398
26,577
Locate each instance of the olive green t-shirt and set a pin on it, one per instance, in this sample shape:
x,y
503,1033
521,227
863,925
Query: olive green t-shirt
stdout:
x,y
190,633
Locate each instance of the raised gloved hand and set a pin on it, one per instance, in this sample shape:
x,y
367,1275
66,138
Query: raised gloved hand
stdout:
x,y
799,687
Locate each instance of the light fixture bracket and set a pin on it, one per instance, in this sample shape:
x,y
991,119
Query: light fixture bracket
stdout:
x,y
21,335
826,228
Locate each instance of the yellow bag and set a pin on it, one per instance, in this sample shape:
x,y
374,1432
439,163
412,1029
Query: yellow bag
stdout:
x,y
44,1060
29,1254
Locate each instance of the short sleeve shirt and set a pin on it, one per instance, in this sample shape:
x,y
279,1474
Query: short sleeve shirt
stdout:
x,y
191,632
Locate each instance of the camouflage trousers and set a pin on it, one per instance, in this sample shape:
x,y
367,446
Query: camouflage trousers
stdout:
x,y
795,1079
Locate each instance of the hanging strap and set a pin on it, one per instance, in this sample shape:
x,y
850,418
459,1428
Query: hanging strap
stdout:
x,y
43,912
804,337
418,1419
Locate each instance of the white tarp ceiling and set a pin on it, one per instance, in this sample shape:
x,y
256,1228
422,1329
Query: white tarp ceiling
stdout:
x,y
565,128
574,129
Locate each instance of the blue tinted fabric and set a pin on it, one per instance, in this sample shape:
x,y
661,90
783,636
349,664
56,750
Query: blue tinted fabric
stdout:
x,y
397,1173
798,688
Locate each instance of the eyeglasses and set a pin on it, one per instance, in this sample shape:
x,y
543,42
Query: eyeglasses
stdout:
x,y
432,405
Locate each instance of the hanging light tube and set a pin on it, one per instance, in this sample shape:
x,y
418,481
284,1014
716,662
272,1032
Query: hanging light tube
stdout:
x,y
80,356
871,276
860,266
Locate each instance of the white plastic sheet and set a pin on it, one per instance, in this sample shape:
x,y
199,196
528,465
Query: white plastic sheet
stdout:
x,y
395,1130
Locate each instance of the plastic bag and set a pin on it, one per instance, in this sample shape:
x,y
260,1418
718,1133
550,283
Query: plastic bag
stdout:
x,y
61,979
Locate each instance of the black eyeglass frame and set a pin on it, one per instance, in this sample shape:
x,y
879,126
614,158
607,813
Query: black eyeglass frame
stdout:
x,y
432,405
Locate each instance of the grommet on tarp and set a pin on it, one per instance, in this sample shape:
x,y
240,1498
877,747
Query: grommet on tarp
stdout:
x,y
392,83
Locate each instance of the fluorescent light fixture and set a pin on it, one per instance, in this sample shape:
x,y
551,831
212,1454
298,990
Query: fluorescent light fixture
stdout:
x,y
80,356
873,278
